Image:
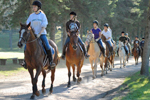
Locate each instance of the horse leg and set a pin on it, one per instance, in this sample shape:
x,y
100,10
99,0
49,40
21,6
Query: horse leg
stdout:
x,y
106,61
43,82
110,62
69,73
79,66
120,62
73,68
91,62
52,80
31,75
101,65
35,90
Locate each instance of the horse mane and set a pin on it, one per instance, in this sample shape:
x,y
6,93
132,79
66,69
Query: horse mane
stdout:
x,y
33,31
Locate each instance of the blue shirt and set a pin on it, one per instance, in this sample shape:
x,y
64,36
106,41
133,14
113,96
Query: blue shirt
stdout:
x,y
96,32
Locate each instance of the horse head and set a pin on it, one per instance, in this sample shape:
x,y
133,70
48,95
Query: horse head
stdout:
x,y
103,38
89,37
121,44
23,34
73,39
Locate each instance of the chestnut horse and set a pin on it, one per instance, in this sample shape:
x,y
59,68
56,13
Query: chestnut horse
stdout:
x,y
36,58
136,53
74,56
109,62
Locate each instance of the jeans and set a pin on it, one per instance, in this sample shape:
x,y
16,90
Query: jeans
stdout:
x,y
68,40
126,49
100,42
45,41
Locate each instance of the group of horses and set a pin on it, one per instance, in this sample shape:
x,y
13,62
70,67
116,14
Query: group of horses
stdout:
x,y
36,58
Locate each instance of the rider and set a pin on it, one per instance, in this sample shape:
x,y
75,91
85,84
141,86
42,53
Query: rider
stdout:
x,y
128,39
124,40
97,36
73,25
108,36
137,41
111,34
39,23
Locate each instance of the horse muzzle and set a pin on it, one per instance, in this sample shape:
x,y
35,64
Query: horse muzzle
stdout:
x,y
74,47
20,44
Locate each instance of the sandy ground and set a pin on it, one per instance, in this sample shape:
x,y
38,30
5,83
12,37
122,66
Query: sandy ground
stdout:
x,y
18,87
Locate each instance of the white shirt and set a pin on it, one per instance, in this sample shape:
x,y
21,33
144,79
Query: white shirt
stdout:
x,y
37,22
107,34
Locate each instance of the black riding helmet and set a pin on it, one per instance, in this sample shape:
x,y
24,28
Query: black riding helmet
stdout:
x,y
95,21
73,13
37,3
106,24
136,37
122,32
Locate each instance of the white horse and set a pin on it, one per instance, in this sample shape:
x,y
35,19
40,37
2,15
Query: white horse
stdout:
x,y
94,53
122,54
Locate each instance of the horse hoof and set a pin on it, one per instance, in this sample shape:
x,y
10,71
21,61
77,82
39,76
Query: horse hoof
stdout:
x,y
68,85
37,93
79,79
110,69
74,79
50,92
101,74
32,97
94,77
43,91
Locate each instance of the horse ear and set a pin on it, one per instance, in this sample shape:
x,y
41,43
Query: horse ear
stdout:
x,y
29,25
20,24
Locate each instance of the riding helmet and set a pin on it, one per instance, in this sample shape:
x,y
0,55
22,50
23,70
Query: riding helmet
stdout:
x,y
126,34
95,21
122,32
106,24
143,38
73,13
37,3
136,37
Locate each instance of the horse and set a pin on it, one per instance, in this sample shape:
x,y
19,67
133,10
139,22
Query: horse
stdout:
x,y
94,53
109,61
122,54
74,56
36,58
136,52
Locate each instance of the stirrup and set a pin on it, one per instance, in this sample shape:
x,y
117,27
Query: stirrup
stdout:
x,y
23,64
52,65
63,57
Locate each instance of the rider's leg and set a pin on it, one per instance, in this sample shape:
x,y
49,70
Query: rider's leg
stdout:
x,y
24,62
100,44
126,49
118,51
48,49
64,48
112,41
83,47
110,47
88,48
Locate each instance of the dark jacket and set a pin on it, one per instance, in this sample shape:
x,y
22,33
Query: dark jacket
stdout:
x,y
72,26
123,39
142,43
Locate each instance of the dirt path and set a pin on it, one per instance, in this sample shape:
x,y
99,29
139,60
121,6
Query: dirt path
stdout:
x,y
18,87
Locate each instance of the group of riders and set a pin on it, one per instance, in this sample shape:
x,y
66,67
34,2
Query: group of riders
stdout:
x,y
39,23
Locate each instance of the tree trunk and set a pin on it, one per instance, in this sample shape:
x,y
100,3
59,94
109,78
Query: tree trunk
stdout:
x,y
146,53
64,31
52,28
30,11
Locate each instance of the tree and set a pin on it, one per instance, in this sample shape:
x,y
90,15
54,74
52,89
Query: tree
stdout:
x,y
146,52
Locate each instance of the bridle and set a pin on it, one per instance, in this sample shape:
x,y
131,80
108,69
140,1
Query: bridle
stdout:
x,y
90,40
26,41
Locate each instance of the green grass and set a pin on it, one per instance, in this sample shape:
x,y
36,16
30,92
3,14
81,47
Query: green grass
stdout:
x,y
10,68
139,88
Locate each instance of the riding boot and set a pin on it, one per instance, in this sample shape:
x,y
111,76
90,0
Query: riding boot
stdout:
x,y
118,52
88,48
64,52
102,49
50,57
126,50
84,50
24,63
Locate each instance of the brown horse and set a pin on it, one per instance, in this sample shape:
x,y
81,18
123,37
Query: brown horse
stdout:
x,y
109,62
136,53
35,58
74,56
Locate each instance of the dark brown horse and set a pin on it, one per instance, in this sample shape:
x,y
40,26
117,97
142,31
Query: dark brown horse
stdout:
x,y
136,53
74,56
35,58
109,62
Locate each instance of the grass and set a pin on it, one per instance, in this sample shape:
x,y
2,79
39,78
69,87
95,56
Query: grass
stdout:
x,y
138,86
10,68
